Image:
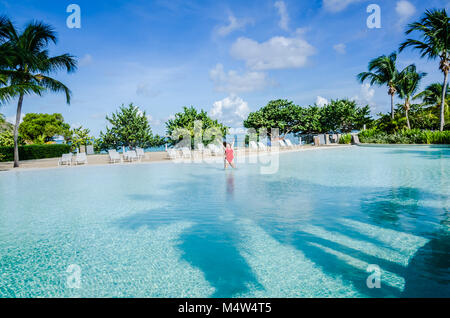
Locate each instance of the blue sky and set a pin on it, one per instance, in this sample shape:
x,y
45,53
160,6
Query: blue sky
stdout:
x,y
227,57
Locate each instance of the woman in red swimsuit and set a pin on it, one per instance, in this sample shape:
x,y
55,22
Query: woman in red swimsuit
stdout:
x,y
229,155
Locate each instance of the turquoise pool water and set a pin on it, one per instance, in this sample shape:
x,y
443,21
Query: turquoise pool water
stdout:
x,y
193,230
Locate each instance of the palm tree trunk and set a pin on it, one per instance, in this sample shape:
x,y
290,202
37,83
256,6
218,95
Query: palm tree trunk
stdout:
x,y
392,106
16,132
443,101
407,119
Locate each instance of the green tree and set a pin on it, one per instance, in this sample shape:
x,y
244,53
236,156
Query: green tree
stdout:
x,y
383,71
4,125
81,137
186,122
7,139
434,29
40,128
432,94
311,120
407,86
25,66
343,115
129,128
280,114
431,99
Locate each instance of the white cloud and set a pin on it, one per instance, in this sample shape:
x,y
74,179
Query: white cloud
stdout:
x,y
405,10
337,5
321,101
365,96
284,16
233,25
232,82
340,48
277,53
231,111
86,60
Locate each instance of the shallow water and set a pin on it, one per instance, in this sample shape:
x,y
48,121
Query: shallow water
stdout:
x,y
192,230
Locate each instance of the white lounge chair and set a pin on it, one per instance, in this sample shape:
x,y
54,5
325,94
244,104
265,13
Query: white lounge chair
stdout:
x,y
140,153
114,156
253,146
173,153
186,152
81,158
130,156
262,146
282,143
215,150
203,149
66,159
289,143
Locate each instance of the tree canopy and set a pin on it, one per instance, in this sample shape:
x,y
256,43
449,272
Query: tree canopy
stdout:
x,y
40,128
194,124
344,115
278,114
339,115
129,127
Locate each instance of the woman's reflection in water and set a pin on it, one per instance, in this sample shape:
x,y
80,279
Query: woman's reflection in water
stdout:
x,y
230,184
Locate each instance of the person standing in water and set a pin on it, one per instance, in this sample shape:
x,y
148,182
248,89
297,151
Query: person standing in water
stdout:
x,y
229,155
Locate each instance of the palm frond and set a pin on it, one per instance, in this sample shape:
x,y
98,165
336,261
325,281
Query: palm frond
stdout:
x,y
54,86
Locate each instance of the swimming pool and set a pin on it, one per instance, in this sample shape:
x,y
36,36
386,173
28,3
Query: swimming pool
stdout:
x,y
193,230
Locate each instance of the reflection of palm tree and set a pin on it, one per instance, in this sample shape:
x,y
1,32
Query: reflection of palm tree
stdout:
x,y
435,32
407,85
383,71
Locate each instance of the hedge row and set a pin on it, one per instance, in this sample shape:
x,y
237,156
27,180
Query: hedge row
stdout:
x,y
34,152
407,136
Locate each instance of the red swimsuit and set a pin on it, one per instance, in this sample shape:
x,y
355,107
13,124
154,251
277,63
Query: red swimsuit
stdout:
x,y
229,154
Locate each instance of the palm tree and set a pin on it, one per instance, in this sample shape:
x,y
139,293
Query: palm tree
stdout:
x,y
407,86
435,32
25,65
383,71
432,95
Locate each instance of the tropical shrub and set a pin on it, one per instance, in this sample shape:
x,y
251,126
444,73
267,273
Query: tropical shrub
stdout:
x,y
345,139
30,152
405,136
7,139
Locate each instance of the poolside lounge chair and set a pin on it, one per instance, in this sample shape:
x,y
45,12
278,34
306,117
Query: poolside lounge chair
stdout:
x,y
289,143
203,150
282,143
81,158
253,146
173,153
114,156
66,159
140,153
262,146
186,152
130,156
215,150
